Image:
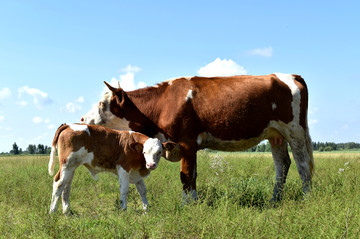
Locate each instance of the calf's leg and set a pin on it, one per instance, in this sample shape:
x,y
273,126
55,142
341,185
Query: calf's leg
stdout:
x,y
66,174
124,182
141,188
66,195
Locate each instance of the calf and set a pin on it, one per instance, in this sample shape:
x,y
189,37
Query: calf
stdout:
x,y
128,154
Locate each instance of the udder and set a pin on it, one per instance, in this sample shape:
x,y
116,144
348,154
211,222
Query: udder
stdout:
x,y
275,138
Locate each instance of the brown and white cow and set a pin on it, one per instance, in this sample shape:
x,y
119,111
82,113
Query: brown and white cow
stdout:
x,y
128,154
222,113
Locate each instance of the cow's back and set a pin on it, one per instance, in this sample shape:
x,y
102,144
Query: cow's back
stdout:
x,y
230,108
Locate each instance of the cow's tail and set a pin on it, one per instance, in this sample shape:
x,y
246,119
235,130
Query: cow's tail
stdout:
x,y
305,114
53,148
310,151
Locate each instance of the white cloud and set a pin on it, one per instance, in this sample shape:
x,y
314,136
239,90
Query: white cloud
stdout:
x,y
72,107
37,120
51,126
22,103
2,118
126,81
81,99
75,106
265,52
130,68
40,98
312,122
221,68
4,93
312,113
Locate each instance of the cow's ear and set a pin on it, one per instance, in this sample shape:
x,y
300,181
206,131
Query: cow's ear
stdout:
x,y
168,145
137,147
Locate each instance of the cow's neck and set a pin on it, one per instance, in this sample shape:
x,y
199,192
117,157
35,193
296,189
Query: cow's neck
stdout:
x,y
147,101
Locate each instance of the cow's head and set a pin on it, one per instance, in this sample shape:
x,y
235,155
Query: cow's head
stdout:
x,y
152,150
108,111
115,110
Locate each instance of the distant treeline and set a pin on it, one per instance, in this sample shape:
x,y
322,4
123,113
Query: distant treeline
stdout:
x,y
31,149
317,146
263,147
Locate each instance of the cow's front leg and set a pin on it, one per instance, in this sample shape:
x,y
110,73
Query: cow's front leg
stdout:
x,y
141,188
188,172
124,181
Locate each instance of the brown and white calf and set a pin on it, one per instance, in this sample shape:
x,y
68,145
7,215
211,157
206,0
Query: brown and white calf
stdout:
x,y
128,154
222,113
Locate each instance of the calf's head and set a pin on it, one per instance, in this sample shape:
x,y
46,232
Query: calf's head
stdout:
x,y
152,150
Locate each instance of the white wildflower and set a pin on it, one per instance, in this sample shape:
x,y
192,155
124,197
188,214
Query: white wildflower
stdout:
x,y
218,164
341,170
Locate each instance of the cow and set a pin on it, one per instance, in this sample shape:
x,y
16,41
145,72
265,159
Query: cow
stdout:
x,y
130,155
221,113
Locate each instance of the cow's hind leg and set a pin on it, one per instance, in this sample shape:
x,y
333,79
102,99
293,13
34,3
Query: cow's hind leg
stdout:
x,y
303,161
282,164
61,179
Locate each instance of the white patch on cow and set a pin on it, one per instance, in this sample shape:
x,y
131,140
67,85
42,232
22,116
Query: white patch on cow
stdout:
x,y
152,152
79,127
80,157
130,132
295,91
273,105
101,115
189,95
171,80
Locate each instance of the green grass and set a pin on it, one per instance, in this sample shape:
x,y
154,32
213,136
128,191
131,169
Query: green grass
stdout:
x,y
233,201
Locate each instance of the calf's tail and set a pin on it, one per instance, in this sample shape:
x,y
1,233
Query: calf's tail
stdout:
x,y
53,148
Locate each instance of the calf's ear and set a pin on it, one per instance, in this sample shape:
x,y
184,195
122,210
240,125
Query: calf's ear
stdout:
x,y
137,147
168,145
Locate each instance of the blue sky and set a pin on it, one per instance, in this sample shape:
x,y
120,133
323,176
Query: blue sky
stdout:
x,y
55,55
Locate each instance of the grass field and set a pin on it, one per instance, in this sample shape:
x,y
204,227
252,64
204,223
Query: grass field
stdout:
x,y
233,190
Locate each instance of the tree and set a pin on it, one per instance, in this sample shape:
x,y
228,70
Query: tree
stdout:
x,y
40,149
328,148
260,148
31,149
15,149
268,147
